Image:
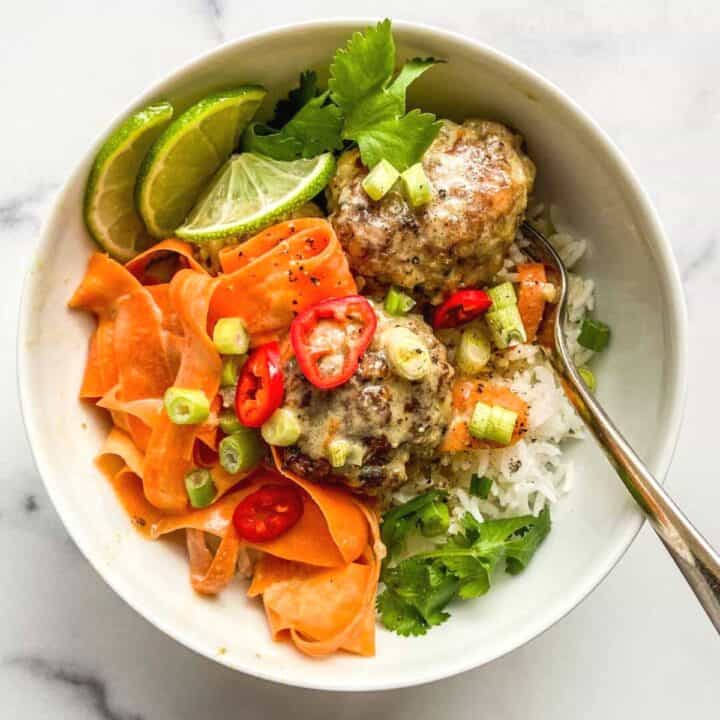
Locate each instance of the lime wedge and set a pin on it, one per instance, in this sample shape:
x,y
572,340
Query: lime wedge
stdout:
x,y
251,190
110,212
188,154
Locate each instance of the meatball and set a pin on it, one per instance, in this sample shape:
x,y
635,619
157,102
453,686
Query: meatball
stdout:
x,y
383,420
481,180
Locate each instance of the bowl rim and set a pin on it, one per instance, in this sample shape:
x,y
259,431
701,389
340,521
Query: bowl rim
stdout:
x,y
669,285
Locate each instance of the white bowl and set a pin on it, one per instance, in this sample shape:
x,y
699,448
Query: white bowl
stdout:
x,y
641,376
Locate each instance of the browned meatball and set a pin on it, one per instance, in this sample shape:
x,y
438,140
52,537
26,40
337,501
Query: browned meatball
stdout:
x,y
481,180
386,419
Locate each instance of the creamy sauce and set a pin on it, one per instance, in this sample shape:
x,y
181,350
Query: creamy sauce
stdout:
x,y
388,419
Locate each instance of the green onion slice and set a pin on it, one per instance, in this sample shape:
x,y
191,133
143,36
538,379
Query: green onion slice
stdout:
x,y
407,353
594,335
380,179
416,186
240,451
506,326
282,428
397,302
588,378
231,370
230,336
502,296
186,406
494,423
338,451
480,486
229,423
473,351
200,487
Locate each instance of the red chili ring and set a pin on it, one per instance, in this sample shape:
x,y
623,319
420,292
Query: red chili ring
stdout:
x,y
268,512
461,307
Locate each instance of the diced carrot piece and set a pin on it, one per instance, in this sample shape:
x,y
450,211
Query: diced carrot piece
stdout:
x,y
531,297
466,394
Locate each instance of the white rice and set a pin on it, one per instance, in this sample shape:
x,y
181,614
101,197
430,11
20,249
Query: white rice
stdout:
x,y
533,472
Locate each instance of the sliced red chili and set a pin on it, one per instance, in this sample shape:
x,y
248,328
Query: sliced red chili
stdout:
x,y
461,307
317,346
268,512
260,386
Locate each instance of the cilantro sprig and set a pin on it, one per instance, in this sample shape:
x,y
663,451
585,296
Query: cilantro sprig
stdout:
x,y
418,588
304,125
364,104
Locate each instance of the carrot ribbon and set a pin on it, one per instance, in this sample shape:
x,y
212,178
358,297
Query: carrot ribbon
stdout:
x,y
318,580
280,272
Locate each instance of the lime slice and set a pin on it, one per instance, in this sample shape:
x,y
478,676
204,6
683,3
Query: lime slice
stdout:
x,y
188,154
251,190
110,212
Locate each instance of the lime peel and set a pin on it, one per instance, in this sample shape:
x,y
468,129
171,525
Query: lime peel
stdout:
x,y
251,191
109,207
189,152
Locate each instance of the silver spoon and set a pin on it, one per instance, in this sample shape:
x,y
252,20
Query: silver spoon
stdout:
x,y
697,560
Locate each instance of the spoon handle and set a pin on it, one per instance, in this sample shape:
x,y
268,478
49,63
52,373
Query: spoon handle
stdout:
x,y
698,561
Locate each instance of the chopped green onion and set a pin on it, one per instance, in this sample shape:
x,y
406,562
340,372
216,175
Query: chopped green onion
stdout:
x,y
501,426
479,420
397,302
506,326
229,423
344,452
380,179
240,451
594,335
588,378
494,423
282,428
502,296
480,486
407,354
434,519
200,487
230,336
231,369
338,451
416,185
186,406
473,351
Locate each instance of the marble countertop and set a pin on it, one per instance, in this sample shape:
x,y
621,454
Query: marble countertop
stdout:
x,y
640,645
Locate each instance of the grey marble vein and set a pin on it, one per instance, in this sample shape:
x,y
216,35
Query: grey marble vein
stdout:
x,y
90,687
30,504
708,253
24,207
216,12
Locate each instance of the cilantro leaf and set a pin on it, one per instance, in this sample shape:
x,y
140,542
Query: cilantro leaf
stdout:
x,y
374,104
401,141
410,72
364,66
398,522
314,129
419,588
473,573
317,125
297,98
400,616
425,587
520,549
373,110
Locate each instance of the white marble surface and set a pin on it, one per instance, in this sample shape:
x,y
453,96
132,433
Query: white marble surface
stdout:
x,y
639,646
